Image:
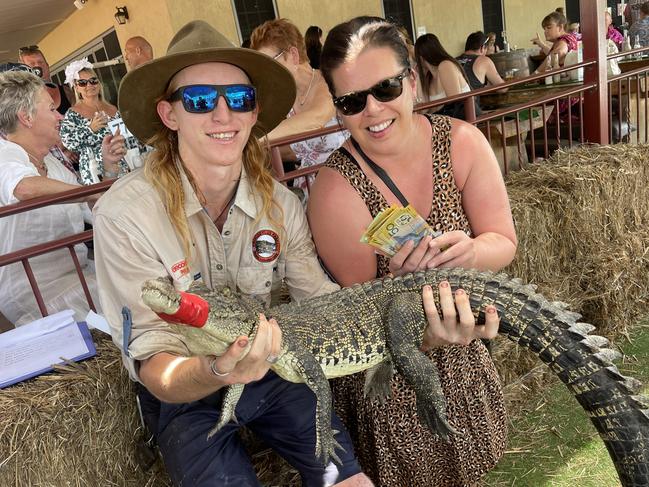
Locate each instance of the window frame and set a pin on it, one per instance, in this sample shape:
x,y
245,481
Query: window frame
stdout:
x,y
236,17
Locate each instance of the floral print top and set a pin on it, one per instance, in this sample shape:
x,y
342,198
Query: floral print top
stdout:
x,y
77,136
316,150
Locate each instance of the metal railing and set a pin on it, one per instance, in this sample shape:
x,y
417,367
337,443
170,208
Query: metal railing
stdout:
x,y
590,128
484,121
628,105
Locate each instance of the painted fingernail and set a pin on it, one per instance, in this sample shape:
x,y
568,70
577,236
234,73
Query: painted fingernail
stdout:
x,y
243,342
443,284
491,309
459,292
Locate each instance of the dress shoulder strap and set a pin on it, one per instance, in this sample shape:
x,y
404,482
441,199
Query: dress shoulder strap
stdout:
x,y
343,162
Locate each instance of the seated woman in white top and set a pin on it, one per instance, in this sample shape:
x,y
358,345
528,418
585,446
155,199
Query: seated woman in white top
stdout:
x,y
441,75
30,124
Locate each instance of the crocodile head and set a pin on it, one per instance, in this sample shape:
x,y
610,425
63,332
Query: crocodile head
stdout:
x,y
221,314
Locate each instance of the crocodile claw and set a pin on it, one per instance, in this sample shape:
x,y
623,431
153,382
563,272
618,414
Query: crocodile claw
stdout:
x,y
434,420
326,447
378,382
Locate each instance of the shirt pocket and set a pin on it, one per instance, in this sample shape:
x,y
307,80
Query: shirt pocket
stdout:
x,y
261,279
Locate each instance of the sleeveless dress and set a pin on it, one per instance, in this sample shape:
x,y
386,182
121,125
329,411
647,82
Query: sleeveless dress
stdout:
x,y
394,449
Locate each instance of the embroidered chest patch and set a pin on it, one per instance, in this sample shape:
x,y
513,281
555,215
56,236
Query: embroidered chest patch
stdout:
x,y
265,245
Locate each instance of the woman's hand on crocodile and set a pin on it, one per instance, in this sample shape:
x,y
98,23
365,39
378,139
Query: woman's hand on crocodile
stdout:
x,y
456,325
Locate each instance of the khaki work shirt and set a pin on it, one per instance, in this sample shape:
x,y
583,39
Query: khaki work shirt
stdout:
x,y
135,241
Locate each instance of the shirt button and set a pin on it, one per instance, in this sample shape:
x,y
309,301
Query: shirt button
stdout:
x,y
219,267
227,232
267,283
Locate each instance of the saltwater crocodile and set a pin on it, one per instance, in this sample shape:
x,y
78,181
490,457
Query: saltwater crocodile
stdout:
x,y
381,322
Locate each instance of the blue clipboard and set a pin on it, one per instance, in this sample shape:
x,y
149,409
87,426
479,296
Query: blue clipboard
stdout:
x,y
92,351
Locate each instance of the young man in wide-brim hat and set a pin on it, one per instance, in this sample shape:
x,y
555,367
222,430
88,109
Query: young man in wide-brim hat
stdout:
x,y
205,208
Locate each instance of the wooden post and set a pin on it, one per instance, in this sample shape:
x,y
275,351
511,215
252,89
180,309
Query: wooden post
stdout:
x,y
595,118
276,162
469,109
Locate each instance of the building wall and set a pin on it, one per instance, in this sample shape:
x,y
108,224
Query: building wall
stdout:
x,y
77,30
327,13
218,13
523,19
450,21
148,18
157,20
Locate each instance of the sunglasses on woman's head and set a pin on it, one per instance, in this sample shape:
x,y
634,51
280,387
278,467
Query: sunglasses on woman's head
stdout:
x,y
28,49
204,98
84,82
386,90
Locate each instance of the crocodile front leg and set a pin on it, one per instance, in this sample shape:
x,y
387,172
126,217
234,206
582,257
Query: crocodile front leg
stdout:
x,y
232,396
405,322
307,367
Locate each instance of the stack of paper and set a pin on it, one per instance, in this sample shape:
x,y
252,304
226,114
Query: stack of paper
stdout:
x,y
32,349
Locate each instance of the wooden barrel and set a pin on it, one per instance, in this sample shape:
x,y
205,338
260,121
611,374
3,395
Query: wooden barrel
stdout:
x,y
517,62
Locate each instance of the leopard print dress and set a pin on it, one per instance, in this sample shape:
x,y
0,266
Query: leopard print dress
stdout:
x,y
394,449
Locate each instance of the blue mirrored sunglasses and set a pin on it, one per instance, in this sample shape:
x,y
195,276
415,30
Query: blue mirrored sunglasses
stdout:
x,y
204,98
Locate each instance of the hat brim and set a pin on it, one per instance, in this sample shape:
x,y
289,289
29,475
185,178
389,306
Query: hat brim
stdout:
x,y
141,88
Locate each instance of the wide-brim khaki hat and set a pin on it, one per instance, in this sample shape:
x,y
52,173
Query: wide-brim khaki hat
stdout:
x,y
195,43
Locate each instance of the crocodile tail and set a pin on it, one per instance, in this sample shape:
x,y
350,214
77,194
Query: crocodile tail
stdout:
x,y
582,362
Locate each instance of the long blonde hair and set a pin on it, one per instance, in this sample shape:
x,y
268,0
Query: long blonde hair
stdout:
x,y
162,172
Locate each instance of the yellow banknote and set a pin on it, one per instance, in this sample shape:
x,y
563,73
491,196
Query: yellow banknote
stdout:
x,y
394,226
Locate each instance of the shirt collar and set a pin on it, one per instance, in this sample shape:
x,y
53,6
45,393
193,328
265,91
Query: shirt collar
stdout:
x,y
192,204
245,198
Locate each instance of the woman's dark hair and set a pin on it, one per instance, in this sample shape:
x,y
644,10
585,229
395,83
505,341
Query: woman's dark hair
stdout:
x,y
475,41
349,39
431,50
313,45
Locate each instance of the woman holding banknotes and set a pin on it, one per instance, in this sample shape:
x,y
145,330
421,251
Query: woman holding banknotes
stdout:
x,y
446,170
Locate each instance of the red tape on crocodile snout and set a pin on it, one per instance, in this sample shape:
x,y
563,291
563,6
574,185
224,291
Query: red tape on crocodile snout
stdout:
x,y
193,311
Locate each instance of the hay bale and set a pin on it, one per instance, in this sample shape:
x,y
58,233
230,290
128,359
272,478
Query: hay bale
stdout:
x,y
582,219
79,426
76,426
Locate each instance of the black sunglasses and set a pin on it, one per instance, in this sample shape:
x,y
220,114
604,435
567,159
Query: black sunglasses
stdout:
x,y
84,82
204,98
386,90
